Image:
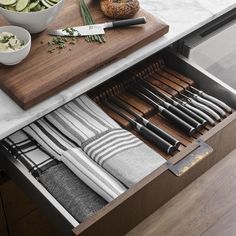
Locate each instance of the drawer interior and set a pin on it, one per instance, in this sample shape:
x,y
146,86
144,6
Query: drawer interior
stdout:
x,y
164,75
171,75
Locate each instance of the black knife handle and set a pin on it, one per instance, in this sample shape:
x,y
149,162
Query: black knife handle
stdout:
x,y
158,141
185,117
201,113
192,114
124,23
170,139
184,126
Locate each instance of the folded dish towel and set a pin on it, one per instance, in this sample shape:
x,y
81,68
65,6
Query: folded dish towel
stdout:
x,y
123,155
27,151
79,200
81,120
84,167
92,174
75,196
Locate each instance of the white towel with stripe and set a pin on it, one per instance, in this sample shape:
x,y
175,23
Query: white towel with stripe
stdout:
x,y
81,120
123,155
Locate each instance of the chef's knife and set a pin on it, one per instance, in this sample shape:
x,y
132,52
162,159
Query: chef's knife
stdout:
x,y
96,28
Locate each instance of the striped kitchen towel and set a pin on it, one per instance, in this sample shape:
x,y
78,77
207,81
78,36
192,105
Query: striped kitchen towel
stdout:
x,y
84,167
123,155
81,119
92,174
49,137
72,193
27,151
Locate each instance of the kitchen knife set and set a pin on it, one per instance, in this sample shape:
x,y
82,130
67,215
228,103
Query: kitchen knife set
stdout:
x,y
192,111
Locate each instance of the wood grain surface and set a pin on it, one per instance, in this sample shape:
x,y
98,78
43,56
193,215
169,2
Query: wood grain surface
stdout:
x,y
43,74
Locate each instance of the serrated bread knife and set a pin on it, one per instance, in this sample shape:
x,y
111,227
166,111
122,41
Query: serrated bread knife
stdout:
x,y
96,28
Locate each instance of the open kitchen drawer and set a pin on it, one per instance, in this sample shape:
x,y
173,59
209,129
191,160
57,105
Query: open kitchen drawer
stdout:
x,y
141,200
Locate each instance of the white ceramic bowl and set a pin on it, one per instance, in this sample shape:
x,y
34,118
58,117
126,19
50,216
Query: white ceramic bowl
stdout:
x,y
34,22
13,58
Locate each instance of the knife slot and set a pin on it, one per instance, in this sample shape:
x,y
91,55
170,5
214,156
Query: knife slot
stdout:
x,y
163,79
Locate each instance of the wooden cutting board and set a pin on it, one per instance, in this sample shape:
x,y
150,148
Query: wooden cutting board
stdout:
x,y
43,74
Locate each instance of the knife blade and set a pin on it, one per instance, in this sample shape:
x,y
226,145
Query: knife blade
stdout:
x,y
95,29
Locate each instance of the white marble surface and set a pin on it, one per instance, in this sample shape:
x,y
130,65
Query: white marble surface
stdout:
x,y
183,16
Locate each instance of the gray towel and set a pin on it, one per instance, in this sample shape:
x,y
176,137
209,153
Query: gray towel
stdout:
x,y
123,155
76,197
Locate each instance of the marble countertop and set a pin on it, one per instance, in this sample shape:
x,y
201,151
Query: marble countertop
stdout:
x,y
183,16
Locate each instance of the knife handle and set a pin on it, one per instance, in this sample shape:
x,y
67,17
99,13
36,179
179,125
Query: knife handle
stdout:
x,y
210,104
158,141
124,23
170,139
201,113
185,117
205,109
183,125
216,101
192,114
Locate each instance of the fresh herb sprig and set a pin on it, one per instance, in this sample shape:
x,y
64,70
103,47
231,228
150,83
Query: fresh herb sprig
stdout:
x,y
88,20
60,43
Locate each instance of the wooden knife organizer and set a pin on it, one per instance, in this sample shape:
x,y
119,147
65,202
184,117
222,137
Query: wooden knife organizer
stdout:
x,y
164,79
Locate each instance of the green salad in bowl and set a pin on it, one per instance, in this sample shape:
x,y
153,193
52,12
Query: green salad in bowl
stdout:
x,y
33,15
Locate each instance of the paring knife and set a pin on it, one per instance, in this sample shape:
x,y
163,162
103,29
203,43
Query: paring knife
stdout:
x,y
96,28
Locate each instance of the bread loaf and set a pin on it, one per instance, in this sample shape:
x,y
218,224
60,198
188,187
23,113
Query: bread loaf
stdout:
x,y
119,9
